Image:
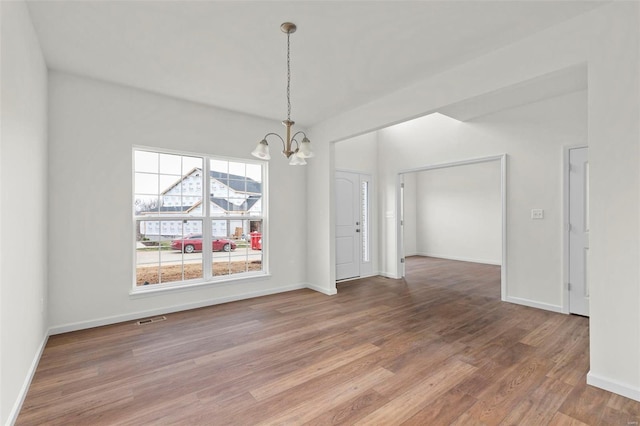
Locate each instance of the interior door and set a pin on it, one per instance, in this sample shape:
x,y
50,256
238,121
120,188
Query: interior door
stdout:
x,y
578,231
348,242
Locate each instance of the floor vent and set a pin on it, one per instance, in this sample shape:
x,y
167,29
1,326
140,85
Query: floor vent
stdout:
x,y
150,320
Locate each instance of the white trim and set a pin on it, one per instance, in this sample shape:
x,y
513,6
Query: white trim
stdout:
x,y
186,285
458,258
503,200
389,275
614,386
400,254
534,304
565,225
17,406
323,290
206,218
455,163
65,328
356,278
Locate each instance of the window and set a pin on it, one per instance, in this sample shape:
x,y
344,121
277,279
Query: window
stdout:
x,y
175,223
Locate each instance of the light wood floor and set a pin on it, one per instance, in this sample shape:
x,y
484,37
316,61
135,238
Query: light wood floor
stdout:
x,y
436,348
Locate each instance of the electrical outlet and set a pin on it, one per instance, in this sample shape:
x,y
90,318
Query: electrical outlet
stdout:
x,y
537,214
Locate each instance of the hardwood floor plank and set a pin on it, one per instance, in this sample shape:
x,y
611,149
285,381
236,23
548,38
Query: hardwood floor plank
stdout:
x,y
406,405
541,407
586,404
328,399
560,419
311,371
444,410
351,411
438,347
503,395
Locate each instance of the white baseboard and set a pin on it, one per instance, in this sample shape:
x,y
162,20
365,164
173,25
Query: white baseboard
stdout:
x,y
323,290
65,328
13,415
461,259
389,275
356,278
623,389
534,304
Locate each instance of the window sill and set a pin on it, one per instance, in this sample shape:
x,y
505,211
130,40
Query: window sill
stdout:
x,y
155,289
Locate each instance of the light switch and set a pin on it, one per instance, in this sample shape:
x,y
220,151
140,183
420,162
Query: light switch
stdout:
x,y
537,214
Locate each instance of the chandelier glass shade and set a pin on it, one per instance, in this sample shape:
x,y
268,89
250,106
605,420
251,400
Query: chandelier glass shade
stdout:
x,y
296,151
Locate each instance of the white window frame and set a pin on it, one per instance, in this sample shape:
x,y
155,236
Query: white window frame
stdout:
x,y
206,218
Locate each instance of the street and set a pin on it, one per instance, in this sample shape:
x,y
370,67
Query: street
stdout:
x,y
150,257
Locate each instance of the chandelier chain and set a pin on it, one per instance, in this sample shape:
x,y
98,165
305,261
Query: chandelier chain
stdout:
x,y
288,78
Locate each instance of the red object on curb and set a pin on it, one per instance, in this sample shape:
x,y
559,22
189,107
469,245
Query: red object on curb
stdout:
x,y
256,240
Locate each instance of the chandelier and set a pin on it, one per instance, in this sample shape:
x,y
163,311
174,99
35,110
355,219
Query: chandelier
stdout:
x,y
303,148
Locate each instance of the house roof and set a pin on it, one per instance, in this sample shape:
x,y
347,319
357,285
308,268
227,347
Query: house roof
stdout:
x,y
235,182
225,205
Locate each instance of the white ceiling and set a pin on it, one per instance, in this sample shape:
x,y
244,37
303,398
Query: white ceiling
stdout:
x,y
232,54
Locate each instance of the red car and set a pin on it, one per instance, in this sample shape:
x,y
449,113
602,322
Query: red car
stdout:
x,y
192,243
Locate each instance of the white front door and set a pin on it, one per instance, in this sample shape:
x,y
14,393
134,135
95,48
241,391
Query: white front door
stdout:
x,y
352,225
578,231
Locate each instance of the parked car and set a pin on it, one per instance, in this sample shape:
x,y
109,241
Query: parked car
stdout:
x,y
192,243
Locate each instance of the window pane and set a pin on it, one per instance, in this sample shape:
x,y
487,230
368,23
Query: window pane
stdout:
x,y
255,205
146,183
168,251
237,169
254,172
235,193
146,204
219,166
365,220
148,252
190,163
146,161
170,184
183,260
245,248
171,164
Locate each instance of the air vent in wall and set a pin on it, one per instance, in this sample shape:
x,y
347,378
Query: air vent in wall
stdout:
x,y
150,320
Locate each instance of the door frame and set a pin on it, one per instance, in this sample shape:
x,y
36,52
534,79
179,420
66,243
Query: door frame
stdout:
x,y
503,200
565,224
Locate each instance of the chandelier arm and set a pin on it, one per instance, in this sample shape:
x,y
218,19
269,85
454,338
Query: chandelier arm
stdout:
x,y
299,132
284,145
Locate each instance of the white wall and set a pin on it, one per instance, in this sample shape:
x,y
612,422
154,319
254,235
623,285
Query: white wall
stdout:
x,y
458,213
93,126
606,39
23,206
614,160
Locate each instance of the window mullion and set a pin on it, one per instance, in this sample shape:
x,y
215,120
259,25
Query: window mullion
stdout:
x,y
207,253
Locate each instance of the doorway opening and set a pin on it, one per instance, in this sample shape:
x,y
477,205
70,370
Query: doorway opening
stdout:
x,y
453,220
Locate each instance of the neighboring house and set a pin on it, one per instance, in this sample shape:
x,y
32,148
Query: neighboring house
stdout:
x,y
230,195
